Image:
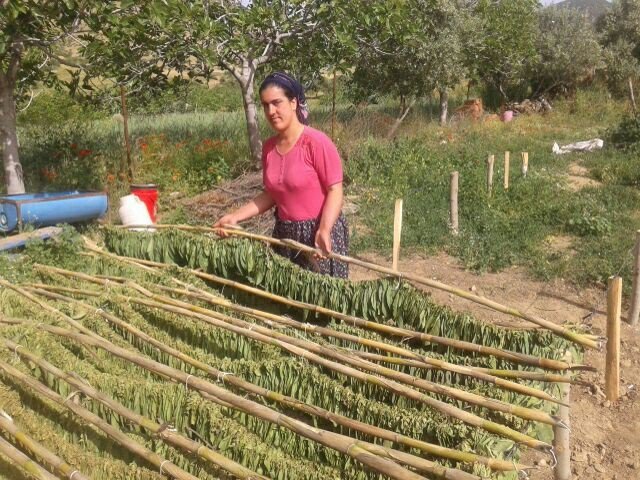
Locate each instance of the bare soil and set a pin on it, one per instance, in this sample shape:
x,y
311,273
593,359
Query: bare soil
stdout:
x,y
605,436
578,177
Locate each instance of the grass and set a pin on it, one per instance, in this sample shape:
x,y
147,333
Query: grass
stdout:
x,y
191,151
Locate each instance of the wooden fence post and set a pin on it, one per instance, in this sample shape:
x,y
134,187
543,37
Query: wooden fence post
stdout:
x,y
612,365
561,434
507,156
454,203
490,162
634,313
525,163
397,233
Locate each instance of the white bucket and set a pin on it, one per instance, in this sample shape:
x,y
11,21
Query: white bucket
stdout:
x,y
133,211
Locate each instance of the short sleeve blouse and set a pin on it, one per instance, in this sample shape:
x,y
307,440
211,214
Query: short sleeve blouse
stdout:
x,y
299,180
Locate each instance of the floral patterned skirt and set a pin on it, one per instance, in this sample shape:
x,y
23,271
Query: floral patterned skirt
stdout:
x,y
304,231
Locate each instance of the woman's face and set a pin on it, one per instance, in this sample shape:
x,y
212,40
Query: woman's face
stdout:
x,y
279,110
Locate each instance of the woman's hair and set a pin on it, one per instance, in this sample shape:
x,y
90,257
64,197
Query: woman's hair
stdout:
x,y
292,89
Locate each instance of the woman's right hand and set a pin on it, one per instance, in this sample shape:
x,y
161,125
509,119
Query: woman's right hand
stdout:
x,y
228,219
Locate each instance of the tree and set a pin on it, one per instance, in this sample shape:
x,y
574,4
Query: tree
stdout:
x,y
568,52
620,37
409,59
193,38
30,33
507,43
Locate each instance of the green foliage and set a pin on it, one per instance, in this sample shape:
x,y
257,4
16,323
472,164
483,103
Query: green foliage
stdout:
x,y
626,135
568,51
410,59
376,300
507,43
59,156
620,36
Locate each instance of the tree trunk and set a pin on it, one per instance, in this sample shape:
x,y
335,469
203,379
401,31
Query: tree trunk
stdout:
x,y
444,106
245,79
400,119
632,98
13,178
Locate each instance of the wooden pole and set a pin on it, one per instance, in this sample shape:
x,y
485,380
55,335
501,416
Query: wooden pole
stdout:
x,y
397,233
490,162
634,313
590,341
24,463
125,116
561,435
506,169
47,457
632,97
333,107
454,203
525,163
612,367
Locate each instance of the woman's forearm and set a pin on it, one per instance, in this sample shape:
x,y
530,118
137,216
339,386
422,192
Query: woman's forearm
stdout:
x,y
258,205
332,208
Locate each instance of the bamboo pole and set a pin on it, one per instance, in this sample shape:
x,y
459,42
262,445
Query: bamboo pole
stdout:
x,y
291,402
116,435
277,339
515,357
296,404
507,156
45,455
23,462
453,200
581,339
354,448
561,438
418,359
541,377
48,308
525,163
170,437
490,163
612,366
397,233
634,312
308,346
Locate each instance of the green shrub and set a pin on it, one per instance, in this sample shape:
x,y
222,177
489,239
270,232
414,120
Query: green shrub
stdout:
x,y
627,134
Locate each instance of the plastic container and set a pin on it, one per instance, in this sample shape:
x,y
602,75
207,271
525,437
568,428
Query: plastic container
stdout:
x,y
507,115
133,211
148,193
51,208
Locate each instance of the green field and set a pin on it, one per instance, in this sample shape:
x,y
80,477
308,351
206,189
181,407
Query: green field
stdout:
x,y
203,143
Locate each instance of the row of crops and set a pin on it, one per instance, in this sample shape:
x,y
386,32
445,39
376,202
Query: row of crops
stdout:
x,y
175,354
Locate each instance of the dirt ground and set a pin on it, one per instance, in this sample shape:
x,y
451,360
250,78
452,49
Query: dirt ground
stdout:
x,y
605,436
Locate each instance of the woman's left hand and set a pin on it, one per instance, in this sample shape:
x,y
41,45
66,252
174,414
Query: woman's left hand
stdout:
x,y
323,240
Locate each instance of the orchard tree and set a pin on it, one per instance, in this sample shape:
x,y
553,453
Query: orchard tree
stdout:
x,y
194,38
31,32
568,52
409,59
507,42
620,36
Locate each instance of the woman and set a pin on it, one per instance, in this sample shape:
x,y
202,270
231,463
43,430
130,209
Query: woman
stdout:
x,y
302,175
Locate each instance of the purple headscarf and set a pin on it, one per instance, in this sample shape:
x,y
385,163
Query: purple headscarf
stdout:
x,y
293,89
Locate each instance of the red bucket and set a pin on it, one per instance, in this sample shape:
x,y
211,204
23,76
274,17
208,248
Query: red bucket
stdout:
x,y
148,193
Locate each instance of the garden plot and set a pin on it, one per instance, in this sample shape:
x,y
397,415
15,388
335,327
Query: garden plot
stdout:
x,y
230,362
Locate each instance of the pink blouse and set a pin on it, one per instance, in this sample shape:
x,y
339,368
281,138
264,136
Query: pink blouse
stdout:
x,y
298,181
